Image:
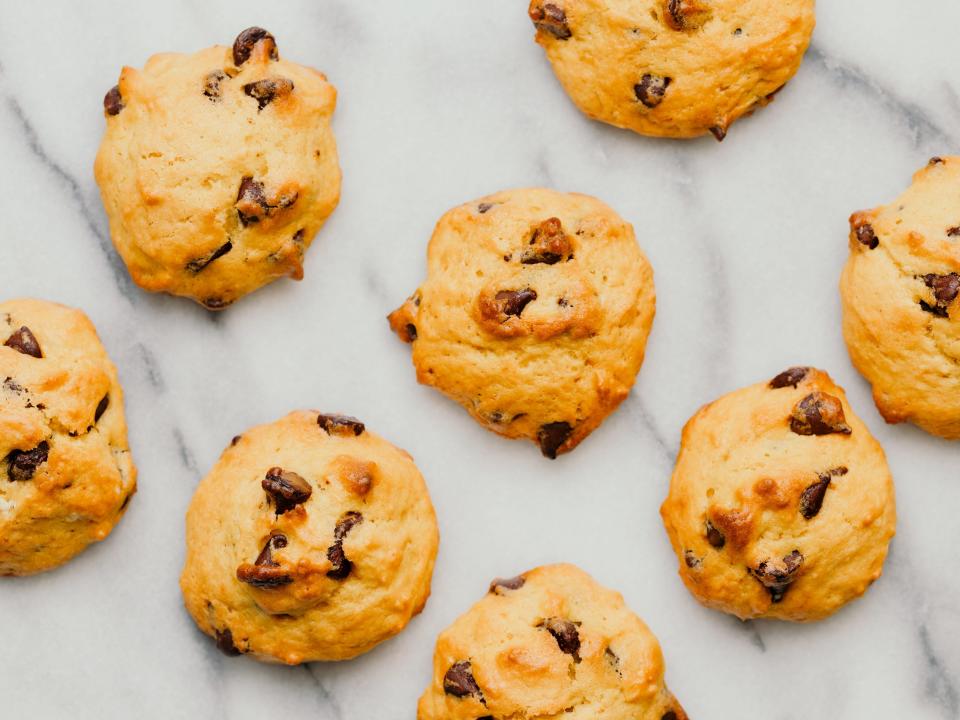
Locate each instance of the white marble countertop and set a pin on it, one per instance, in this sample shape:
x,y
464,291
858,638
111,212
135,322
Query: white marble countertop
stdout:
x,y
441,102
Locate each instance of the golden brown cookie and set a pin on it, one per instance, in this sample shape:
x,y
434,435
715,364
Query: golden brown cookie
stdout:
x,y
534,315
218,168
901,316
310,539
551,644
67,474
781,503
673,68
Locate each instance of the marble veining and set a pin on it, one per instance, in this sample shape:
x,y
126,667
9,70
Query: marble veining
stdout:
x,y
441,102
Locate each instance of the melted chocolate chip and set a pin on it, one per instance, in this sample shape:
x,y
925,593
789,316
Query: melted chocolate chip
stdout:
x,y
251,202
288,489
211,85
459,682
501,584
101,407
512,302
551,436
411,332
776,576
866,236
548,244
22,464
199,264
566,635
953,231
225,643
112,102
945,289
691,560
651,89
266,573
248,39
267,90
789,378
686,14
23,341
340,565
340,424
819,414
550,18
811,499
719,132
714,536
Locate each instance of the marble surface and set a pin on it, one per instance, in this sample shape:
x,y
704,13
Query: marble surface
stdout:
x,y
441,102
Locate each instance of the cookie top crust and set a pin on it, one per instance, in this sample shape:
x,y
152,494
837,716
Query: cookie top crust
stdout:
x,y
550,643
217,168
310,539
673,68
534,315
781,503
901,315
67,475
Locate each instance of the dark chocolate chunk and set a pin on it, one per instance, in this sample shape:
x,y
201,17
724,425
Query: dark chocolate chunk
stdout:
x,y
714,536
288,489
101,407
566,635
23,341
548,244
211,85
459,682
512,302
199,264
776,576
551,436
225,643
945,289
819,414
811,499
267,90
22,464
651,89
266,573
248,39
341,567
550,18
112,102
483,207
789,378
865,235
719,132
501,584
340,424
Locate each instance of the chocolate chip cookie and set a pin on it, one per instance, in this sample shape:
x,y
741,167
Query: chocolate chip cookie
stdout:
x,y
310,539
673,68
67,476
781,503
218,168
551,643
534,315
901,315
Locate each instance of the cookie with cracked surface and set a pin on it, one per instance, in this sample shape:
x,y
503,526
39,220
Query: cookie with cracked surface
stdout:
x,y
781,503
310,539
673,68
534,315
218,168
550,644
67,475
901,313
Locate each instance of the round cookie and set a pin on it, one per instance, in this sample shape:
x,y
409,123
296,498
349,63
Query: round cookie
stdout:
x,y
218,168
781,503
310,539
901,316
550,644
673,68
534,315
67,475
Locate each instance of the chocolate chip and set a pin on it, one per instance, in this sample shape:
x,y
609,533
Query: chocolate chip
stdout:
x,y
215,303
551,436
112,102
566,635
248,39
789,378
945,289
865,234
686,14
669,715
340,424
483,207
612,660
935,160
651,88
459,682
411,332
953,231
251,202
719,132
819,414
811,499
550,18
776,576
211,85
23,341
548,244
225,643
512,302
101,407
22,464
266,573
692,561
514,583
714,536
340,565
199,264
235,440
288,489
267,90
